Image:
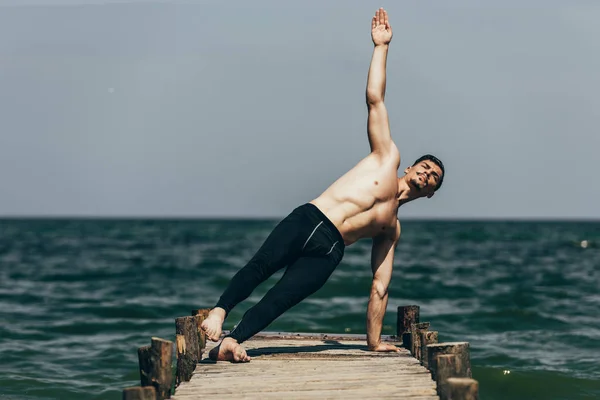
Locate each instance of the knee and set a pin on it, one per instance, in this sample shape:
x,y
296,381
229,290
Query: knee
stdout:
x,y
379,289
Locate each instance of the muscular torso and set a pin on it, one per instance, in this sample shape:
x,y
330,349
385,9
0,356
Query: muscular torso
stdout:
x,y
364,201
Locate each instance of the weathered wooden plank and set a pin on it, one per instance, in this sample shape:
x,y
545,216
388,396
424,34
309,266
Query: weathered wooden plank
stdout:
x,y
331,381
312,347
285,336
373,387
311,396
294,372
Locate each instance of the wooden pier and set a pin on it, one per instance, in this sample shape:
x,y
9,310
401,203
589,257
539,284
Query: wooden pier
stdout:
x,y
308,366
311,367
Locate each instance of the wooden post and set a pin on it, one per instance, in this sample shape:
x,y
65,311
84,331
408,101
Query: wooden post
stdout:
x,y
426,337
406,315
162,355
461,349
145,366
139,393
463,388
186,330
201,314
155,366
447,367
415,334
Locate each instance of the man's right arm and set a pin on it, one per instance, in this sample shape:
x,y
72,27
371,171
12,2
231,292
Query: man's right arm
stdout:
x,y
378,126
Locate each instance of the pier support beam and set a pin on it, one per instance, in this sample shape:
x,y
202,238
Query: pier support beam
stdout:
x,y
186,330
460,349
415,333
463,388
201,314
447,367
426,338
139,393
407,315
155,366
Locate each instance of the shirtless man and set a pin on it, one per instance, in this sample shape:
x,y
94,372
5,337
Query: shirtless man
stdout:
x,y
310,241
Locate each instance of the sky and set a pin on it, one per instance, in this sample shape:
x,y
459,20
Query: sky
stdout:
x,y
251,108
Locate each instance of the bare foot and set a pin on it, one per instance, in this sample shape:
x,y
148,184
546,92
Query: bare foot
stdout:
x,y
213,324
229,350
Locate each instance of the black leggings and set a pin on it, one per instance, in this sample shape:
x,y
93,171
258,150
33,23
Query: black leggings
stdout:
x,y
309,244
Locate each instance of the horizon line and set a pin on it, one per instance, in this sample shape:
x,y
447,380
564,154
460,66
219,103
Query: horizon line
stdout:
x,y
272,218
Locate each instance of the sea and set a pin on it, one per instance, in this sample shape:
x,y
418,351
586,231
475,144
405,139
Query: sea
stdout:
x,y
79,296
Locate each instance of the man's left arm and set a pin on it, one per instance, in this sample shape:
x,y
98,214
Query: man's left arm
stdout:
x,y
382,261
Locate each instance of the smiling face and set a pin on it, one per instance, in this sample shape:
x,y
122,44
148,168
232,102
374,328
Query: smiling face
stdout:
x,y
424,177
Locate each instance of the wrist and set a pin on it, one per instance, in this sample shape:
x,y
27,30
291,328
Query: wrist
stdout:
x,y
384,46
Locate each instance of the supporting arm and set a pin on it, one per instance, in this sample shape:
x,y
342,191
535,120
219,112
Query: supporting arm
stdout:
x,y
382,261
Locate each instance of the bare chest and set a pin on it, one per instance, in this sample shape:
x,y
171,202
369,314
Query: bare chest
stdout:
x,y
381,219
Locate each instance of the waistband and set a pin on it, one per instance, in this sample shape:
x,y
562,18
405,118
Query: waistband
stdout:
x,y
326,222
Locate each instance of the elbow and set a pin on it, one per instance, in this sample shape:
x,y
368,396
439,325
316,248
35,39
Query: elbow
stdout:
x,y
379,289
374,98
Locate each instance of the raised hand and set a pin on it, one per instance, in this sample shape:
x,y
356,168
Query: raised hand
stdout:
x,y
381,30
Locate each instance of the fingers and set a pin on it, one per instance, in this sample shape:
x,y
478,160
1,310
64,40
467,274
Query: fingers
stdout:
x,y
386,20
240,355
380,18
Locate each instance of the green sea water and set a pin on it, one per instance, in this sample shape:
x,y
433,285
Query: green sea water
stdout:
x,y
78,297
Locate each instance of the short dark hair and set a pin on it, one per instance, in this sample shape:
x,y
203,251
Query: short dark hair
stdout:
x,y
429,157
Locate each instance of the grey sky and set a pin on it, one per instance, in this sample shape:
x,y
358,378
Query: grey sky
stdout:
x,y
250,108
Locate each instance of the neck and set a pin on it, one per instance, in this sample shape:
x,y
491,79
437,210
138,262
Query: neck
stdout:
x,y
406,192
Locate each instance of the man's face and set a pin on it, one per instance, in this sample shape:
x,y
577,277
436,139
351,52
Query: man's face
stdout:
x,y
424,177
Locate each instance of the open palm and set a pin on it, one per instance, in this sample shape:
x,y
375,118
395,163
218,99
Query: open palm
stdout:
x,y
381,30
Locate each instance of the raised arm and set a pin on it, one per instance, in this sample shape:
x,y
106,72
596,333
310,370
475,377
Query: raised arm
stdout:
x,y
378,125
382,261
